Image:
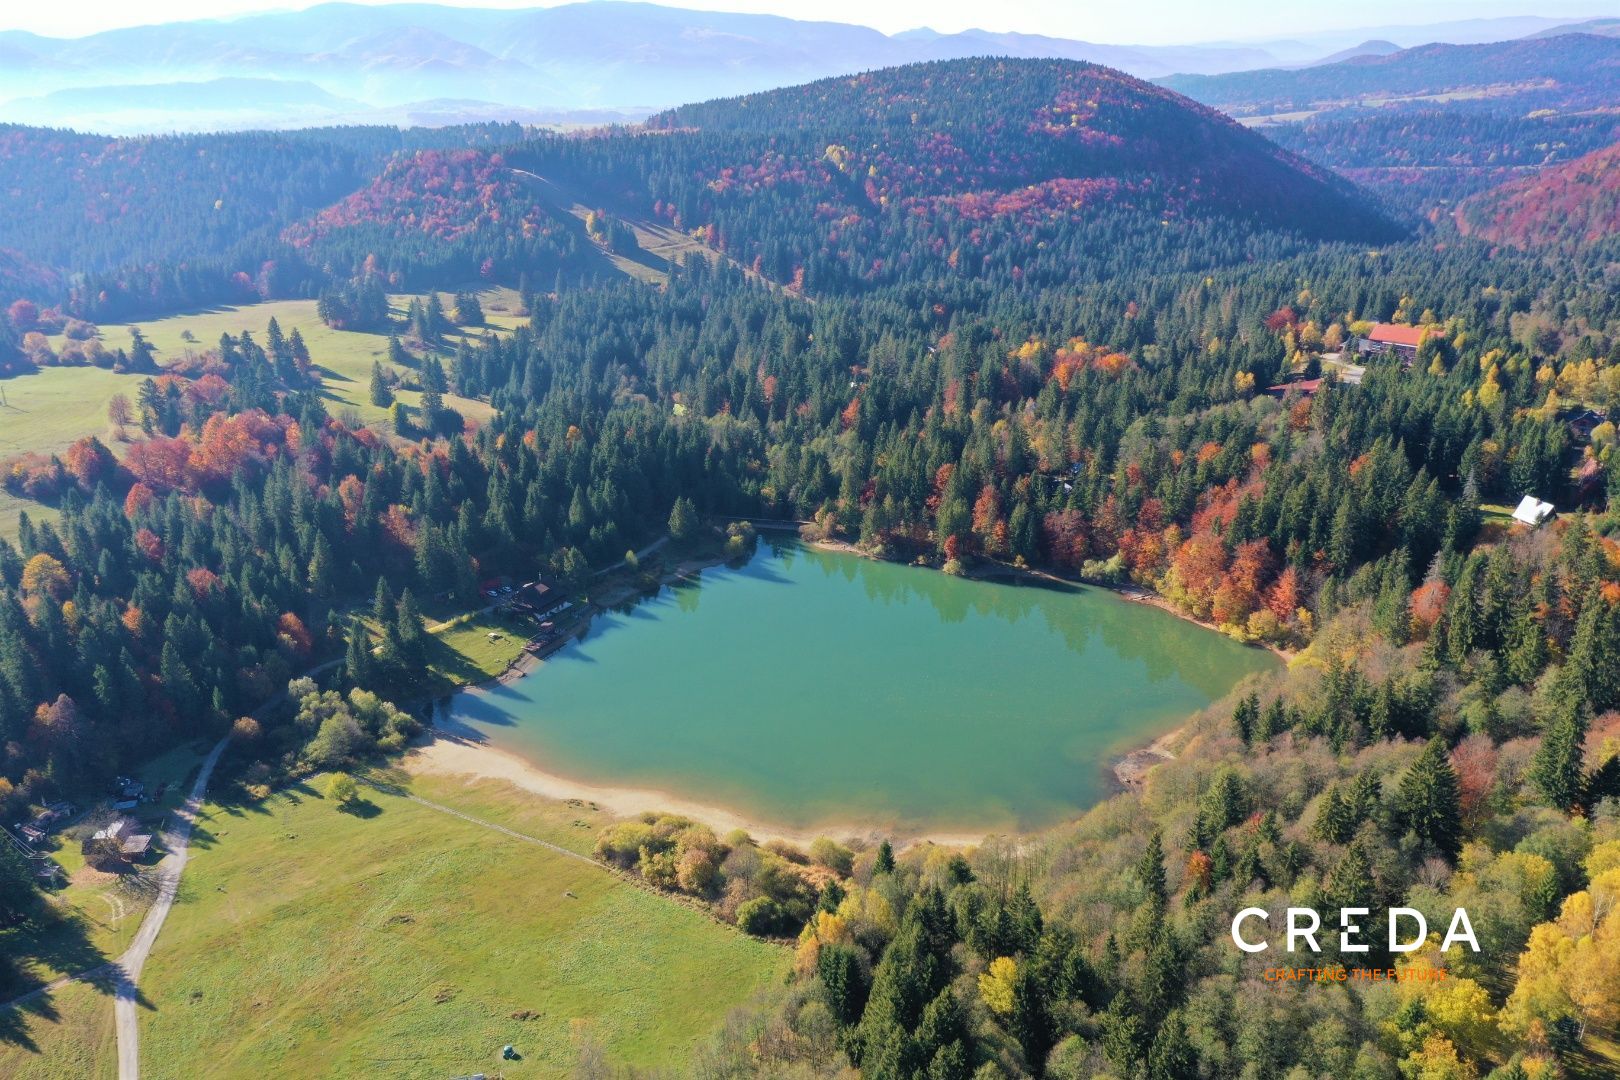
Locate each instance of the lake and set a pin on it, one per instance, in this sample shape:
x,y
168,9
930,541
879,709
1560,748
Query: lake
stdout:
x,y
814,688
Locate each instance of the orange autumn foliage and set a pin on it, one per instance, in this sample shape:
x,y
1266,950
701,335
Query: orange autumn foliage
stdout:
x,y
139,498
202,580
293,636
1428,602
150,544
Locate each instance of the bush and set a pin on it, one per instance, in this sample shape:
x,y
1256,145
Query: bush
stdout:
x,y
760,916
833,855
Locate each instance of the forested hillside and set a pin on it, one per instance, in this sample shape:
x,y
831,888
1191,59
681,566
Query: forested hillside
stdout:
x,y
977,313
158,223
1429,126
1573,206
1426,158
990,166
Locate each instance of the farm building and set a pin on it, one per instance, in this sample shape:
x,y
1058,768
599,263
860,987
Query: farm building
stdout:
x,y
1532,511
1386,338
1584,423
1306,387
121,837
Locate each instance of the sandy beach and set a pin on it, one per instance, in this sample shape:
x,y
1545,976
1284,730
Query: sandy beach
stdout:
x,y
454,749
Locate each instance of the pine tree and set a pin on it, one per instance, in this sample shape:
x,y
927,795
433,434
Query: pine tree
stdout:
x,y
1150,870
1593,666
1172,1057
885,859
1351,882
1556,768
682,520
842,982
1431,801
1246,717
1334,821
434,385
410,628
357,658
381,395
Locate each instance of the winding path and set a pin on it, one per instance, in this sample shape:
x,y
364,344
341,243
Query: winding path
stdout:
x,y
127,969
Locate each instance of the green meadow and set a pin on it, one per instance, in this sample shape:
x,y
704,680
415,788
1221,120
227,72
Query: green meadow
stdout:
x,y
440,942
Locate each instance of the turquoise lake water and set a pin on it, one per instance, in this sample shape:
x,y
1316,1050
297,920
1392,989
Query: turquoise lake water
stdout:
x,y
810,688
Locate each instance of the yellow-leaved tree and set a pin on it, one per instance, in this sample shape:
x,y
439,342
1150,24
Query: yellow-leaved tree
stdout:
x,y
996,985
1570,969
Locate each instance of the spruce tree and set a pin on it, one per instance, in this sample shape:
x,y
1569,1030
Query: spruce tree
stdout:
x,y
1556,768
682,520
381,395
357,659
1150,870
1431,801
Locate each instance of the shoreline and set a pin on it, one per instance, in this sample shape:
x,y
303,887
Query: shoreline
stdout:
x,y
454,749
990,569
1131,770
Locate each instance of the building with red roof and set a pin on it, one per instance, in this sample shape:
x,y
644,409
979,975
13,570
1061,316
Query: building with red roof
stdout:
x,y
1385,338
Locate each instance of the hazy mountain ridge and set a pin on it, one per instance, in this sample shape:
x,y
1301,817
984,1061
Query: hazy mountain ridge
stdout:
x,y
1572,70
602,55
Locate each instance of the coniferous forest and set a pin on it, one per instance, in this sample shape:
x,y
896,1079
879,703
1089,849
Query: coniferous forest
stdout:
x,y
1034,314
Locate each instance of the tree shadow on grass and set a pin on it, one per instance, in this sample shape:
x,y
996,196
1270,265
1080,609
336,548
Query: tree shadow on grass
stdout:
x,y
47,939
449,666
361,807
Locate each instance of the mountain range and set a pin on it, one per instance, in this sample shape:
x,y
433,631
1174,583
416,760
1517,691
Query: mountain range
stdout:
x,y
1565,71
579,63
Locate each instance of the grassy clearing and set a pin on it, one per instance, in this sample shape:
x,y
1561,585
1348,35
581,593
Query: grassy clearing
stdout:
x,y
344,356
12,508
460,650
47,411
67,1035
464,653
439,942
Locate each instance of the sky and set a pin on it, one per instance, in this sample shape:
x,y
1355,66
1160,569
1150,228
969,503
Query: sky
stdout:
x,y
1148,22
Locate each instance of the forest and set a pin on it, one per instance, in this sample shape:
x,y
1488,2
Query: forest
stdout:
x,y
1033,314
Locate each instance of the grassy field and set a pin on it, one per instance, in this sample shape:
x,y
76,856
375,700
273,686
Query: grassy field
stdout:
x,y
464,654
66,1036
12,508
344,356
439,942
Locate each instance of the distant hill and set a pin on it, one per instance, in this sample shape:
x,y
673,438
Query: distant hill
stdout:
x,y
1570,206
1567,71
1366,48
1601,27
181,105
1011,164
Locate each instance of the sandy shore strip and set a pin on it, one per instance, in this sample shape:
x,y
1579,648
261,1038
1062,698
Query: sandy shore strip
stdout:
x,y
1132,769
454,749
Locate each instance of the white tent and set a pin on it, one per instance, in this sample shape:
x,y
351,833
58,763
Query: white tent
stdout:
x,y
1532,511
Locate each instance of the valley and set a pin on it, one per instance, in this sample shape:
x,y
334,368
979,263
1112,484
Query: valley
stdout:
x,y
796,448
